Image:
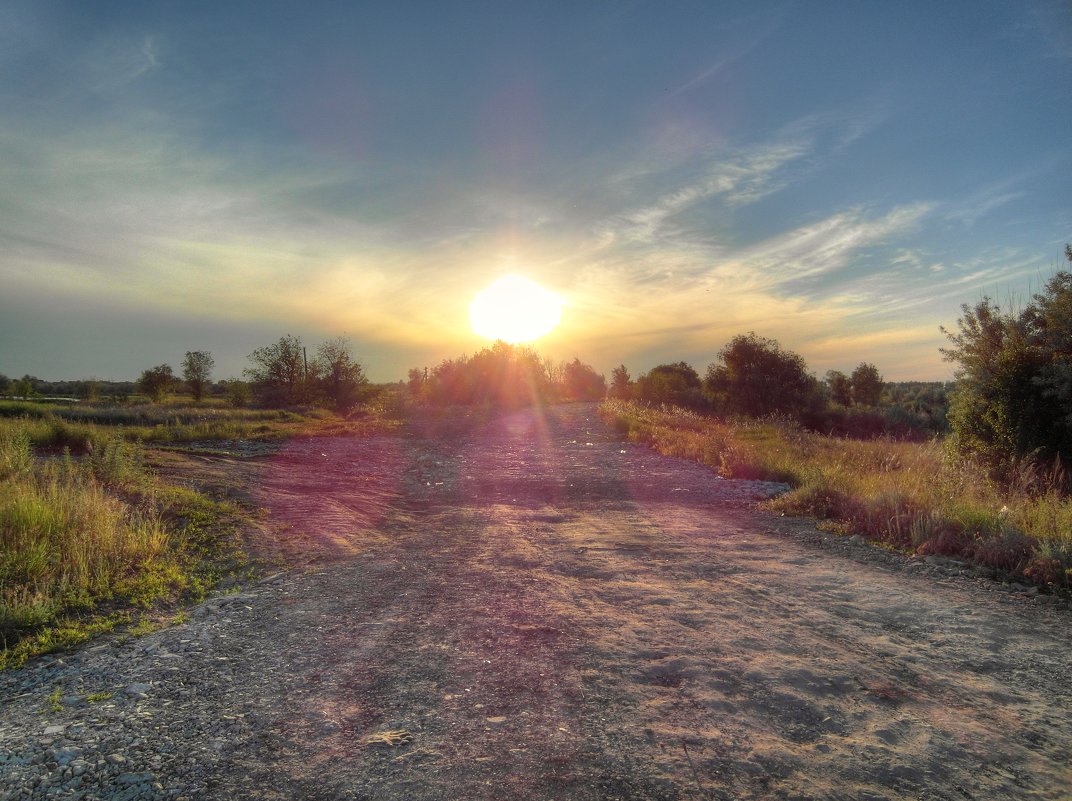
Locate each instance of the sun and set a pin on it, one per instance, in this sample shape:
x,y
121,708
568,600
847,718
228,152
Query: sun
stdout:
x,y
515,309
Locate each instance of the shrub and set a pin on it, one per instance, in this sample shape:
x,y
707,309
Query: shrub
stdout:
x,y
1013,397
756,377
1009,551
675,384
156,382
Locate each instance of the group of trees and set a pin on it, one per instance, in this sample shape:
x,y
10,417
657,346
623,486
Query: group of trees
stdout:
x,y
92,389
863,387
157,382
754,377
504,376
283,375
280,374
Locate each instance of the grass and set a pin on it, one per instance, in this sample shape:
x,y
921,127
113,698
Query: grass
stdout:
x,y
85,540
82,427
911,496
91,539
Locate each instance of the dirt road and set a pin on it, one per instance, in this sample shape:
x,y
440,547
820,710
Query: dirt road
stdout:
x,y
535,610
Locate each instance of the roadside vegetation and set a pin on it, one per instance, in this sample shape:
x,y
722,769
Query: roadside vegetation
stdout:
x,y
912,496
93,540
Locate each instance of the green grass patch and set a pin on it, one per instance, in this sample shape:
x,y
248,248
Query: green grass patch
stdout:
x,y
84,540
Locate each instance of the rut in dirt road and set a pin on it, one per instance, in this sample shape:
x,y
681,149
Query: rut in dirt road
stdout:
x,y
534,610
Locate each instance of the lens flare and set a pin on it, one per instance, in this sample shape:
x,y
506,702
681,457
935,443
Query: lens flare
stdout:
x,y
515,309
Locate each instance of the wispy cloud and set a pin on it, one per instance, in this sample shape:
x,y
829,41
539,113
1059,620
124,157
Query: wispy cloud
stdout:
x,y
118,61
735,178
977,205
743,42
821,248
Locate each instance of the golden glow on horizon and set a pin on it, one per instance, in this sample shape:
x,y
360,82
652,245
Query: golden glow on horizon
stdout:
x,y
515,309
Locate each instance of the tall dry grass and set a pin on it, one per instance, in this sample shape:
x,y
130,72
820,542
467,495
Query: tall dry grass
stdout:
x,y
75,533
913,496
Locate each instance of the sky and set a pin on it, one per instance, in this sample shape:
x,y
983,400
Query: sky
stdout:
x,y
839,176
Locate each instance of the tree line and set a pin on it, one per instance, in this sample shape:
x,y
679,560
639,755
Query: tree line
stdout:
x,y
1012,399
281,374
755,377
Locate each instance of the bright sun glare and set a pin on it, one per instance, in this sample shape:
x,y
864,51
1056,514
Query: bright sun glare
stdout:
x,y
515,309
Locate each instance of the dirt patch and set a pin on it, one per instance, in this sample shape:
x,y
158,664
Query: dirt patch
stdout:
x,y
532,609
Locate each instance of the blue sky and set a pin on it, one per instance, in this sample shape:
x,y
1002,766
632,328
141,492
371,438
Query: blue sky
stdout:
x,y
838,176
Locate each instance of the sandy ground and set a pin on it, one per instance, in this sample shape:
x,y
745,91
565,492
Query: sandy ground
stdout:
x,y
534,610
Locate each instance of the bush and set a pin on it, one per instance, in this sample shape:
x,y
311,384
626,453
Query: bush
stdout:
x,y
675,384
755,377
502,376
1013,397
156,382
1009,551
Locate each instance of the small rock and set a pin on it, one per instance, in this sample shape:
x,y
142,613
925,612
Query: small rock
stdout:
x,y
137,691
64,755
135,778
50,730
116,759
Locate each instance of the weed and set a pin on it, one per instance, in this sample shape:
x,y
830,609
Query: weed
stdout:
x,y
59,635
144,626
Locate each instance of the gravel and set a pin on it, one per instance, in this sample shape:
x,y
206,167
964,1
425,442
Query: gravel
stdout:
x,y
150,717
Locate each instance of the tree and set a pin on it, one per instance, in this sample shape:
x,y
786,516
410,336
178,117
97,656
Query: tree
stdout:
x,y
1013,396
756,377
867,384
676,384
581,382
840,387
236,391
504,376
89,390
25,387
197,371
620,384
279,372
341,378
156,381
417,380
